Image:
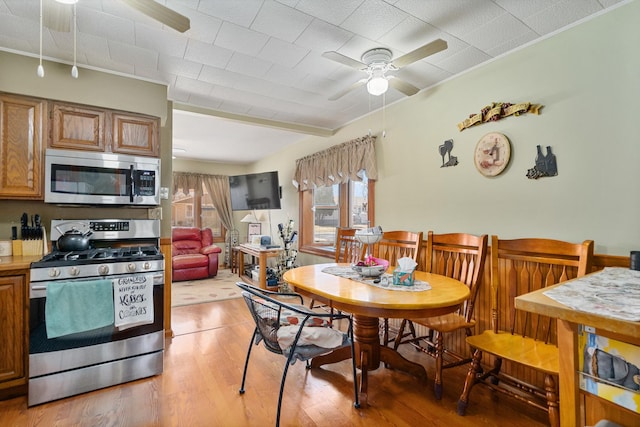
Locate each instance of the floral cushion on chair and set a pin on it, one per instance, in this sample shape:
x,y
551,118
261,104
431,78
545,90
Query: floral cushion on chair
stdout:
x,y
316,330
288,317
321,337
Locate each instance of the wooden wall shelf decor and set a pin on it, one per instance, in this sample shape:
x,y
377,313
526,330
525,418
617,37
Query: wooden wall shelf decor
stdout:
x,y
498,110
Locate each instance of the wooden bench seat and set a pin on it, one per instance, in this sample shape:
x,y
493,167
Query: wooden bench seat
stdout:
x,y
526,351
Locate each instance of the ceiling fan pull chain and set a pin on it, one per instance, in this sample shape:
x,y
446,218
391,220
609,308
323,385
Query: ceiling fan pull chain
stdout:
x,y
40,70
74,69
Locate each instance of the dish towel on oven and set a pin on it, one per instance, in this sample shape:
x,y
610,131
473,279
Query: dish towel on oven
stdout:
x,y
78,306
133,300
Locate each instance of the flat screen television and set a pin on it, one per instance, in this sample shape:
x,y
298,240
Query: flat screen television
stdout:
x,y
255,191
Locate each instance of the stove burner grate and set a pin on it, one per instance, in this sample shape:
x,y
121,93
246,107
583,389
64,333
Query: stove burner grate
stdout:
x,y
99,255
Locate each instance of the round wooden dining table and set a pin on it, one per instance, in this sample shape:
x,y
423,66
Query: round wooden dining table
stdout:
x,y
368,303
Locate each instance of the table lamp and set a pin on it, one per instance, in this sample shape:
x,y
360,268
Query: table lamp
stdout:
x,y
254,227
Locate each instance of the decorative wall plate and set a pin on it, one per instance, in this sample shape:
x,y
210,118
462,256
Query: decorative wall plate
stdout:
x,y
492,155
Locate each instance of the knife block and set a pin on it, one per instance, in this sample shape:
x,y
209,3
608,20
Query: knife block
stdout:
x,y
32,247
16,247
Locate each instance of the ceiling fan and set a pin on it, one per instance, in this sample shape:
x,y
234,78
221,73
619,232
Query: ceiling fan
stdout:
x,y
57,14
377,62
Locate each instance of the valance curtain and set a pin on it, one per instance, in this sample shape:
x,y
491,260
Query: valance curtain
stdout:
x,y
216,185
338,164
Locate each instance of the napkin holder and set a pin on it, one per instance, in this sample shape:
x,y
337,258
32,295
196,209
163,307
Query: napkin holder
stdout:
x,y
403,278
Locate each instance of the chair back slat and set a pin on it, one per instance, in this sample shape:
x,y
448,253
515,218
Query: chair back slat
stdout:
x,y
348,248
397,244
460,256
529,265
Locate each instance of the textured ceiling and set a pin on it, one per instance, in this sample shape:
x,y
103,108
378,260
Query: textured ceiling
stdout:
x,y
262,59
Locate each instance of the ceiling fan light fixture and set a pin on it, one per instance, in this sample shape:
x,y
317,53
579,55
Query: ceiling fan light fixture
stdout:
x,y
377,85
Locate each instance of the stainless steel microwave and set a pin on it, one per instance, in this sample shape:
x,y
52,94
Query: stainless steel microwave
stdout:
x,y
88,178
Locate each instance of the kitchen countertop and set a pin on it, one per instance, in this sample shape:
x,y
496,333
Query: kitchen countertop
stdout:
x,y
573,406
539,302
8,263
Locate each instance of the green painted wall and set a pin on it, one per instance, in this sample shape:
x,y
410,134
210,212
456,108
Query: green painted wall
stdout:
x,y
587,78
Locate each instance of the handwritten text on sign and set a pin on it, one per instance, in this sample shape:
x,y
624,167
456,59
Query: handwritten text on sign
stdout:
x,y
133,300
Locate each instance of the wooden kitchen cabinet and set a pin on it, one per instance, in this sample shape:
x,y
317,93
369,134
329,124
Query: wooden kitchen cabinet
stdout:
x,y
135,134
13,335
22,124
78,127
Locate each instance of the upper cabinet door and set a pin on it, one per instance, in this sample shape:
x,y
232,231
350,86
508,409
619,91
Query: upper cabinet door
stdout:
x,y
135,134
78,127
22,121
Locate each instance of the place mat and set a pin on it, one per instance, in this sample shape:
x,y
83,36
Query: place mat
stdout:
x,y
612,292
386,280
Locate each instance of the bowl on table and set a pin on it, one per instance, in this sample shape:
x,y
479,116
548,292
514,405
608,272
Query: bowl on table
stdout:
x,y
368,238
369,270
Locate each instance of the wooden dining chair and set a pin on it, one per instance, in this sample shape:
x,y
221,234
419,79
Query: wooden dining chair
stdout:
x,y
348,250
522,344
459,256
393,246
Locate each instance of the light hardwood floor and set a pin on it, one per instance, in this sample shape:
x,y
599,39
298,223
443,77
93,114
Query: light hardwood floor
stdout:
x,y
202,374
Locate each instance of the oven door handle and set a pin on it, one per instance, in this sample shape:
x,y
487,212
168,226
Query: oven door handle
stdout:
x,y
156,278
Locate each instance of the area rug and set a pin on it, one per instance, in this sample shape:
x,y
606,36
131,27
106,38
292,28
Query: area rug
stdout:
x,y
221,287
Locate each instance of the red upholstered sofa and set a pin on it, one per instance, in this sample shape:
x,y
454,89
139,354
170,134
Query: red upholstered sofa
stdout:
x,y
194,256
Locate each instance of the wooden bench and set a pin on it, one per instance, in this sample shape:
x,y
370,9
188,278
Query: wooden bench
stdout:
x,y
521,338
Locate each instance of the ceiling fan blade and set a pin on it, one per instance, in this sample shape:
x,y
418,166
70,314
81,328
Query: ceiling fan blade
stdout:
x,y
420,53
402,86
344,60
349,89
161,13
57,16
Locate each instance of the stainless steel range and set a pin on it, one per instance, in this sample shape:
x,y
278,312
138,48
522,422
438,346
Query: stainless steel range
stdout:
x,y
123,255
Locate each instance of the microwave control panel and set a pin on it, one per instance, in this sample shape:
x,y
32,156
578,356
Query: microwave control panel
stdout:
x,y
145,183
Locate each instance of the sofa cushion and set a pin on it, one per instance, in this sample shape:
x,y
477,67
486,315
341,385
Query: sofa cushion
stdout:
x,y
182,247
185,233
189,261
212,249
194,256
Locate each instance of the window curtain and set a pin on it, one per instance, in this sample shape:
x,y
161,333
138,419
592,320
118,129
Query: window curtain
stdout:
x,y
218,188
338,164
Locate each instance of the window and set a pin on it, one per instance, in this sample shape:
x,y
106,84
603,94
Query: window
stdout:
x,y
195,209
324,208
